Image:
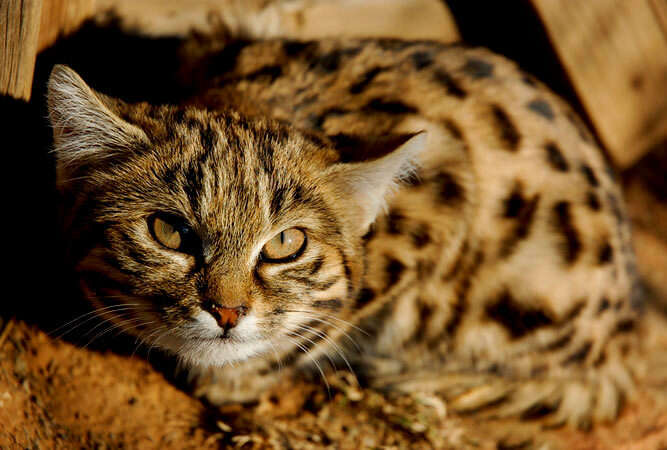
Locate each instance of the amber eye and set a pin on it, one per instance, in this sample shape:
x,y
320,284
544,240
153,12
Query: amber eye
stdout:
x,y
172,232
285,246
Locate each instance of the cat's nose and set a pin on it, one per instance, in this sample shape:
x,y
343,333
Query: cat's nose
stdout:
x,y
226,317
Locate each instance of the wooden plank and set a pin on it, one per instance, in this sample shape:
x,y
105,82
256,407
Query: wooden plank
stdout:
x,y
62,17
415,19
297,19
615,54
19,19
660,10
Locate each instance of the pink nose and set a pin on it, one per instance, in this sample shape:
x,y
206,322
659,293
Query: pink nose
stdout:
x,y
226,317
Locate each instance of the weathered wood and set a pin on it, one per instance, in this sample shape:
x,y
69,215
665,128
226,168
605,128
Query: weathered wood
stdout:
x,y
61,17
416,19
300,19
615,54
19,20
660,10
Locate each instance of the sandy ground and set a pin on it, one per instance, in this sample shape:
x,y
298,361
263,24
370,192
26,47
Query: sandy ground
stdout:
x,y
54,394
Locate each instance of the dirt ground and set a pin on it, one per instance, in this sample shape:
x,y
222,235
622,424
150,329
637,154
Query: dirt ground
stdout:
x,y
79,390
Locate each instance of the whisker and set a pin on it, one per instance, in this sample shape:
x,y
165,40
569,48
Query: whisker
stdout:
x,y
311,315
350,324
142,339
138,337
108,316
275,352
307,328
102,322
90,313
319,368
338,350
344,333
155,342
113,326
71,180
137,325
124,326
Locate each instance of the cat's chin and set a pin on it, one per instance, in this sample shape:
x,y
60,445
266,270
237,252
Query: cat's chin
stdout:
x,y
213,352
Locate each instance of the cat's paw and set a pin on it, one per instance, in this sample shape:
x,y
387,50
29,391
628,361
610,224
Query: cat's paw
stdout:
x,y
578,398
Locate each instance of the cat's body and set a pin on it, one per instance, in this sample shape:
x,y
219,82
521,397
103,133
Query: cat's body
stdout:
x,y
498,273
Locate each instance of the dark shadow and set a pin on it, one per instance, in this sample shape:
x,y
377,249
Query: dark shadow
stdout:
x,y
116,62
514,29
652,171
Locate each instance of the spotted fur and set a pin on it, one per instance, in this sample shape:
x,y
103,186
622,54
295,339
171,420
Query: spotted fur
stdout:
x,y
498,271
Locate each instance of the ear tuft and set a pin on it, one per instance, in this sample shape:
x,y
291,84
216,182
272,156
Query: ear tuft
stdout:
x,y
367,184
85,130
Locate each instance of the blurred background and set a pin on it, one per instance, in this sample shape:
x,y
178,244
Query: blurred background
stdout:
x,y
608,58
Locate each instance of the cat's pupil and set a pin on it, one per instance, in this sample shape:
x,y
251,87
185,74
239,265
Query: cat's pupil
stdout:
x,y
285,246
167,233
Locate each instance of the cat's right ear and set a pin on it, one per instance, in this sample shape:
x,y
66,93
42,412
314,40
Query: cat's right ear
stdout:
x,y
85,131
364,185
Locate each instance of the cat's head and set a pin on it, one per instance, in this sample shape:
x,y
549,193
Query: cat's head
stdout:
x,y
212,235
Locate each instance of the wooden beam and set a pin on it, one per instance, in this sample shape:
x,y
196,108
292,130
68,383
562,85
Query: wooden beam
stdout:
x,y
415,19
615,53
61,17
19,19
296,19
660,10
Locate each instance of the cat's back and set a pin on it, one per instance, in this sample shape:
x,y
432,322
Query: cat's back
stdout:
x,y
348,89
318,85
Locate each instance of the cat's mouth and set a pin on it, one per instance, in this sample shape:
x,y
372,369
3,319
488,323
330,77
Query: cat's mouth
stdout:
x,y
228,338
200,341
214,351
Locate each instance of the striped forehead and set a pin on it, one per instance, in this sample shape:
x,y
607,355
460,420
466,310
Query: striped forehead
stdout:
x,y
234,178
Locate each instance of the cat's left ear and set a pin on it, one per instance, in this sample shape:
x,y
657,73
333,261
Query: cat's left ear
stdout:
x,y
86,131
364,185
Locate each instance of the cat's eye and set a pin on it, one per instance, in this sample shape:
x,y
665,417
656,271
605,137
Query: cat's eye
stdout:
x,y
285,246
172,232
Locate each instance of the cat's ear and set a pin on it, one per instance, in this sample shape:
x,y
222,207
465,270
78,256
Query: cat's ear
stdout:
x,y
85,130
364,185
